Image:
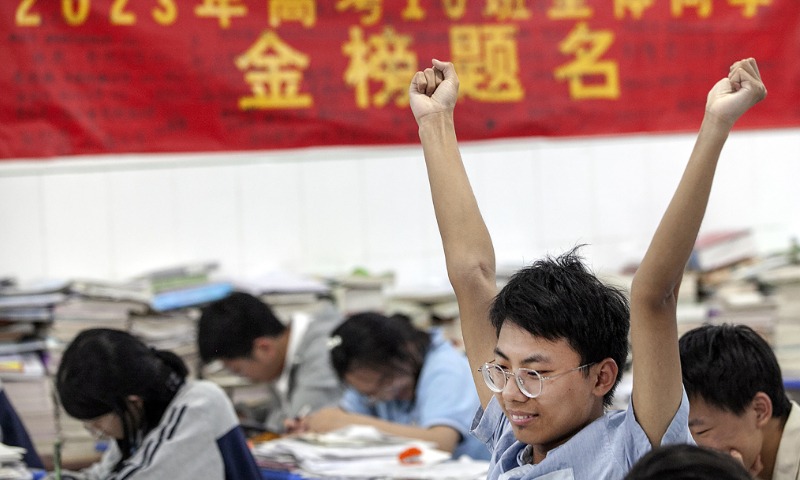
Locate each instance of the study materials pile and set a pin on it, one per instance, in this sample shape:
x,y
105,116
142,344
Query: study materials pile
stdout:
x,y
161,290
11,464
362,452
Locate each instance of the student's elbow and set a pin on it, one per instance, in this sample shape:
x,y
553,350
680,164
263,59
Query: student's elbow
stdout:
x,y
472,275
650,296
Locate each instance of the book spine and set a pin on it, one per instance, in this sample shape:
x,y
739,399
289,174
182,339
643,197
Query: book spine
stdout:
x,y
7,348
159,285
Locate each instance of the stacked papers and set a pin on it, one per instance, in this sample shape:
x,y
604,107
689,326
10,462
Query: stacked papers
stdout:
x,y
361,452
11,454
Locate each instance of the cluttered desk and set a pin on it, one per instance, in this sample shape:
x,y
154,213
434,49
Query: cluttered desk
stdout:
x,y
360,452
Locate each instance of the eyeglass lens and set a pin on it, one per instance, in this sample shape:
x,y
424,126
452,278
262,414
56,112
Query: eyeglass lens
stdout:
x,y
529,381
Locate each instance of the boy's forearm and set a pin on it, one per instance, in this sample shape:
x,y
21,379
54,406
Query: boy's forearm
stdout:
x,y
466,240
675,236
468,249
654,292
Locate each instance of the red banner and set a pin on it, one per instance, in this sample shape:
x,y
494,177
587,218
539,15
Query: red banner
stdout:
x,y
119,76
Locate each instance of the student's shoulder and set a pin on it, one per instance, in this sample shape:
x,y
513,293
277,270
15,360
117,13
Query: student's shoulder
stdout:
x,y
203,394
325,320
319,328
207,402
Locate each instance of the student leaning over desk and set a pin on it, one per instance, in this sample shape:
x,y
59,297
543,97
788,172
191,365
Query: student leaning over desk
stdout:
x,y
402,380
163,425
737,401
290,359
546,351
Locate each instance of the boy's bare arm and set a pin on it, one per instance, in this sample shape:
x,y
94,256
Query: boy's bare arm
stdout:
x,y
467,245
654,335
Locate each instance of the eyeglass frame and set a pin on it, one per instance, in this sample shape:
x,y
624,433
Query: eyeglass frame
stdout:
x,y
508,373
387,380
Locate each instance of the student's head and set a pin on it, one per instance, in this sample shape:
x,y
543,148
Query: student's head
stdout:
x,y
116,385
554,317
379,356
687,462
734,385
242,332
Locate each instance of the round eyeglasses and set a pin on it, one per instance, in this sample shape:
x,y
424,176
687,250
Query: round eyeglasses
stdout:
x,y
529,381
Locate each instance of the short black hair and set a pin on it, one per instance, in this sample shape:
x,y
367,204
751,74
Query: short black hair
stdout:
x,y
687,462
373,340
227,327
726,365
559,298
102,367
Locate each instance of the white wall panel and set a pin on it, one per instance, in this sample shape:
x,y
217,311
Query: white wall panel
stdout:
x,y
143,217
328,211
504,180
333,216
271,219
77,225
208,212
398,214
566,210
22,247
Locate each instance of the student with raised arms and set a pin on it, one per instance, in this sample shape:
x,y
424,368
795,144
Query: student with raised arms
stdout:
x,y
546,352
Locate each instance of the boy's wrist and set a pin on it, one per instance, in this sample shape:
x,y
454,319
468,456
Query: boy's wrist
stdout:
x,y
435,119
436,124
717,123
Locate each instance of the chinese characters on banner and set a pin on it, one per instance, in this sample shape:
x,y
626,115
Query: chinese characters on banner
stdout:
x,y
125,76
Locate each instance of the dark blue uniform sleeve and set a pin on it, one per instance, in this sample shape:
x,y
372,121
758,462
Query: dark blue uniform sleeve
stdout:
x,y
15,434
239,462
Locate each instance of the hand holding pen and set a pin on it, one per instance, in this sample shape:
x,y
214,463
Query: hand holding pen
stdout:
x,y
297,424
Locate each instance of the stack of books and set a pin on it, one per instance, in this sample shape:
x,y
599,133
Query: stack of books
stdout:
x,y
742,303
161,290
361,292
784,283
26,312
34,401
175,331
288,293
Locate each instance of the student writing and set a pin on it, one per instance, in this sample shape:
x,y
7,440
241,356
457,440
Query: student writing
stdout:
x,y
290,359
402,380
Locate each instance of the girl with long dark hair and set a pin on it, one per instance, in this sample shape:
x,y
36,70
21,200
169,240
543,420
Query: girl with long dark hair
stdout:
x,y
162,425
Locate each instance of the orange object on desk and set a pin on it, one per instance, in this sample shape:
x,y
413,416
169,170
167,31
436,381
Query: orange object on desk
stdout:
x,y
262,437
410,456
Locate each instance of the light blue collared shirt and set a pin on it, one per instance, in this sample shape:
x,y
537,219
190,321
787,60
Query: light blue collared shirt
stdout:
x,y
605,449
445,395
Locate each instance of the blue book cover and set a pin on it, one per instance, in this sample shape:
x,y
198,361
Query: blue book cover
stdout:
x,y
190,296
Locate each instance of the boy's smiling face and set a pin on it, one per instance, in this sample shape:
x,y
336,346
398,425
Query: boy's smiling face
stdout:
x,y
566,404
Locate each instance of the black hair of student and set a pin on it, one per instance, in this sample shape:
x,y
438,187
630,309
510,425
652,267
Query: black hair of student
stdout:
x,y
373,340
687,462
227,327
102,367
559,298
726,365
